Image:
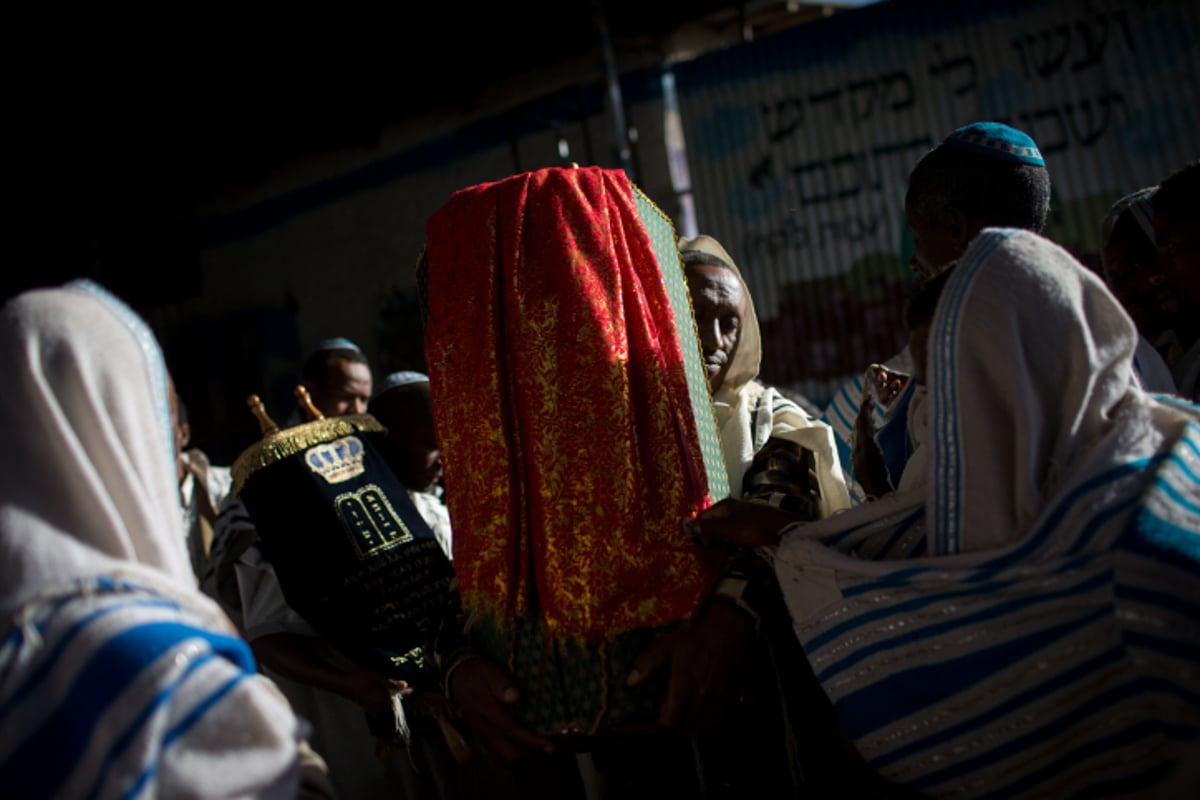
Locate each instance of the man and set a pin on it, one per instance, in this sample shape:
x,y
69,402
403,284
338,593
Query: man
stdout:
x,y
120,678
1129,262
982,175
338,378
779,456
1177,237
202,486
322,685
404,406
1012,624
572,436
749,413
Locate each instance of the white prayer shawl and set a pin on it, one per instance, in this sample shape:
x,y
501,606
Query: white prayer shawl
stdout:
x,y
749,412
1049,643
117,677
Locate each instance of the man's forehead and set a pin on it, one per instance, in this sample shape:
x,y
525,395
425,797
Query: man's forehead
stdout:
x,y
723,283
343,370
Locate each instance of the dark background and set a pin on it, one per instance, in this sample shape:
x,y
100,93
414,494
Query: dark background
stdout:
x,y
125,123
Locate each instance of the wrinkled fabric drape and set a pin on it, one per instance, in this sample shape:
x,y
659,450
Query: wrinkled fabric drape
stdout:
x,y
571,453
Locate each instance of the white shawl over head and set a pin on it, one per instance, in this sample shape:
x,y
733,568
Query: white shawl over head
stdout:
x,y
117,676
1024,621
1030,357
87,482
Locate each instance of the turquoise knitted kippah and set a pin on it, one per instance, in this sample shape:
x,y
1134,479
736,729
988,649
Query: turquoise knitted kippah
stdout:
x,y
997,140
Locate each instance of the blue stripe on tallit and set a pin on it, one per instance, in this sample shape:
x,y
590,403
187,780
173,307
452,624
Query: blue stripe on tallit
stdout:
x,y
845,399
928,631
1162,483
905,607
1160,538
49,662
135,726
981,574
831,541
905,693
948,438
113,667
1076,497
1056,682
1168,524
1167,647
1149,596
1102,787
183,726
1096,705
901,529
1098,522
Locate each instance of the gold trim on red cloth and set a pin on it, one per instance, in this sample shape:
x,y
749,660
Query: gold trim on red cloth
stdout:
x,y
571,454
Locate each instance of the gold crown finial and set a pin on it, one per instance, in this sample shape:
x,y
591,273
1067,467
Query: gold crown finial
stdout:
x,y
267,424
306,404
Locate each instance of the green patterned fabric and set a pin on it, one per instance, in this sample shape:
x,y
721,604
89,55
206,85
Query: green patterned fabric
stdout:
x,y
573,688
666,250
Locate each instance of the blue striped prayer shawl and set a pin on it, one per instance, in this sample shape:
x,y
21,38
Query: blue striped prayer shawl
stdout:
x,y
1030,674
99,685
1058,657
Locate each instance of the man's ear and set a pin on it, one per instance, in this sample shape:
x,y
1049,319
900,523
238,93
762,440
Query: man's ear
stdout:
x,y
185,435
963,229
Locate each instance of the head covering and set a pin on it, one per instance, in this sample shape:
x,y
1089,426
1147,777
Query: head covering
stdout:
x,y
1069,363
748,356
997,140
397,379
748,412
1140,205
987,631
87,484
119,676
338,343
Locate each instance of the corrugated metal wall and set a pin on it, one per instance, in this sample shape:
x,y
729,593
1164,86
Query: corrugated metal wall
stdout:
x,y
800,144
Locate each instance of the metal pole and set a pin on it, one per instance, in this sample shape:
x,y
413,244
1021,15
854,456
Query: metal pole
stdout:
x,y
615,100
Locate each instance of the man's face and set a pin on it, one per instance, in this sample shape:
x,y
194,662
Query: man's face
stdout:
x,y
180,431
345,389
937,241
1178,243
407,413
1139,286
720,305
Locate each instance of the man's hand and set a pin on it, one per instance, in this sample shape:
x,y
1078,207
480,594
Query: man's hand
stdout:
x,y
887,384
866,459
483,693
707,660
372,691
739,522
